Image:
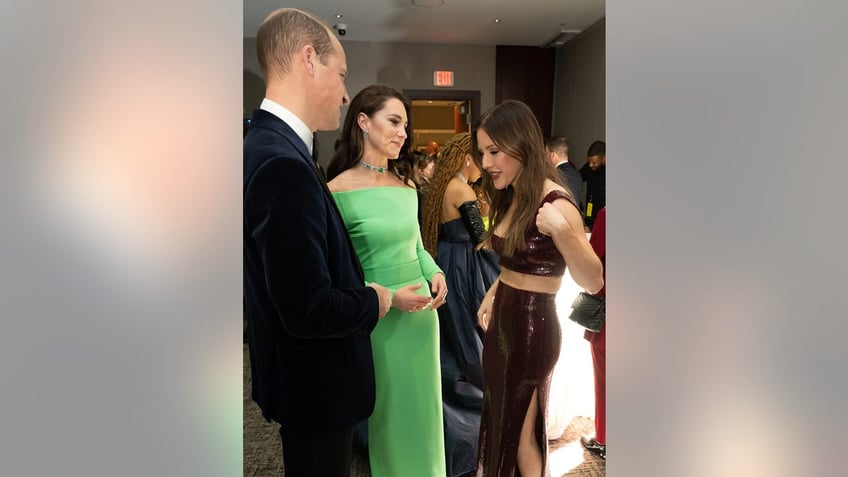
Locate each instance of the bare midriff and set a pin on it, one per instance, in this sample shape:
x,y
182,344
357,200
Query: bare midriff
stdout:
x,y
533,283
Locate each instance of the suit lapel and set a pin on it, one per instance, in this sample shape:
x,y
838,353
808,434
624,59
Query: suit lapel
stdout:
x,y
276,124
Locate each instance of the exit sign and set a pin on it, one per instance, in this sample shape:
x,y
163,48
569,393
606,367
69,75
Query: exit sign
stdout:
x,y
442,78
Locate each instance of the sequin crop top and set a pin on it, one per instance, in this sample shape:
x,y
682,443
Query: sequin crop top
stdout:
x,y
541,257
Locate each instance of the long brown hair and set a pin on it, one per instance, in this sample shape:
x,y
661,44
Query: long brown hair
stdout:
x,y
447,165
513,128
352,143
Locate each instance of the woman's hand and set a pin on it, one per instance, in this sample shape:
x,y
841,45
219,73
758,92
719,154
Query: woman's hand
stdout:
x,y
407,300
562,222
484,313
550,220
439,290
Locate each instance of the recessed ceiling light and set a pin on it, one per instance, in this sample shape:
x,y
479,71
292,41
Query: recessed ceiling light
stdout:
x,y
428,3
497,20
339,15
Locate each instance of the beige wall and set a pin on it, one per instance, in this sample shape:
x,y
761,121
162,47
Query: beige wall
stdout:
x,y
400,65
580,91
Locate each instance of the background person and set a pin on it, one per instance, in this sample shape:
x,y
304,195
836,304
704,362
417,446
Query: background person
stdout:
x,y
452,228
594,174
557,148
597,444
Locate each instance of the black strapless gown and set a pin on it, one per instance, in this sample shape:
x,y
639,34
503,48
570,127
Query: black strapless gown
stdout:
x,y
469,273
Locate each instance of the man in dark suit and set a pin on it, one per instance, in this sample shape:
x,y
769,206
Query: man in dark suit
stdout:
x,y
309,311
594,173
557,148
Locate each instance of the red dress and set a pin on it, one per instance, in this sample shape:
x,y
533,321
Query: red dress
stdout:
x,y
598,341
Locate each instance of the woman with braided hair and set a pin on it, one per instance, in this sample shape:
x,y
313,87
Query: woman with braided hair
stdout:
x,y
451,230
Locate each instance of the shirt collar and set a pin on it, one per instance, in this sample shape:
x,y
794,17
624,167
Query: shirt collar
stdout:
x,y
300,128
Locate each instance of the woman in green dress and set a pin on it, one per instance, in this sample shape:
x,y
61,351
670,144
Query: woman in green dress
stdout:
x,y
378,202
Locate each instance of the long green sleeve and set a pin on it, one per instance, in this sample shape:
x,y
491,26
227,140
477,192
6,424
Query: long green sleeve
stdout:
x,y
428,265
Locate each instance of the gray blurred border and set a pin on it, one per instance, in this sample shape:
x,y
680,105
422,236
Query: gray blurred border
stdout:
x,y
121,325
726,184
121,247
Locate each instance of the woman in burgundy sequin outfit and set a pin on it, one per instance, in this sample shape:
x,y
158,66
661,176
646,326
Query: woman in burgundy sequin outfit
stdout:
x,y
536,228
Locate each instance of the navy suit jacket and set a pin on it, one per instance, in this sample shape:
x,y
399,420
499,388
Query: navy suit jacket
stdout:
x,y
309,312
574,181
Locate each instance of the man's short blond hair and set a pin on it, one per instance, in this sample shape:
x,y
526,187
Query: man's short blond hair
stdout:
x,y
559,145
283,33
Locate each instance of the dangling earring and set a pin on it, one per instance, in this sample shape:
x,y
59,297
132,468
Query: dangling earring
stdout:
x,y
365,134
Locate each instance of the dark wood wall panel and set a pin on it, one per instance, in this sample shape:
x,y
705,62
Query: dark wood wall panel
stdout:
x,y
526,73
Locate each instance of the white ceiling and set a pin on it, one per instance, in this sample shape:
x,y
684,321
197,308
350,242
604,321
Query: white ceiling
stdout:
x,y
459,22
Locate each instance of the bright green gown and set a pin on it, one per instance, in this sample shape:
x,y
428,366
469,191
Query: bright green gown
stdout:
x,y
405,432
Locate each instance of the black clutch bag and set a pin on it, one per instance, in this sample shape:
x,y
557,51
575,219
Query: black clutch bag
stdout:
x,y
588,311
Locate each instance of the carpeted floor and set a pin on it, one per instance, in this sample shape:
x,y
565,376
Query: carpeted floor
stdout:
x,y
262,445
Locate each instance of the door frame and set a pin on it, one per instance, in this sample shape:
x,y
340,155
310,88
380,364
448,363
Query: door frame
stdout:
x,y
448,94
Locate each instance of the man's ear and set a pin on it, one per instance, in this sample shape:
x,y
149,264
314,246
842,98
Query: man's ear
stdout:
x,y
308,56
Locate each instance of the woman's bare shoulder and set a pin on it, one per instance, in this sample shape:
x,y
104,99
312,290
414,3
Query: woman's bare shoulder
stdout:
x,y
347,180
549,187
459,191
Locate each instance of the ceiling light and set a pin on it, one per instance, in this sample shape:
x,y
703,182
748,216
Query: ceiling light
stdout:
x,y
339,15
428,3
497,20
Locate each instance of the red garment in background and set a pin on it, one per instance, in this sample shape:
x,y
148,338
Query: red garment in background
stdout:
x,y
598,341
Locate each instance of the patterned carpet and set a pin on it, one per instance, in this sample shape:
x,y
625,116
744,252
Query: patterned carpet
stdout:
x,y
262,445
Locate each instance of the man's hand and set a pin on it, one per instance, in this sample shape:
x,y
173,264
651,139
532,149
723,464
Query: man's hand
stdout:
x,y
385,297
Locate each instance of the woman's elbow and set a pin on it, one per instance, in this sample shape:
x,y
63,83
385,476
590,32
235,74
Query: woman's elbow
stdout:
x,y
596,286
595,280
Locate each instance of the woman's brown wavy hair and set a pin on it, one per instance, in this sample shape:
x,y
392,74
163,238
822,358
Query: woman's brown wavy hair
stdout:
x,y
513,128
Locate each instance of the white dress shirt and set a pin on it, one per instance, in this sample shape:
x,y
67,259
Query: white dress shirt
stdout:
x,y
300,128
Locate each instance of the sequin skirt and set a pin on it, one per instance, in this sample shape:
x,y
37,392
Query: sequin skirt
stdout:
x,y
520,350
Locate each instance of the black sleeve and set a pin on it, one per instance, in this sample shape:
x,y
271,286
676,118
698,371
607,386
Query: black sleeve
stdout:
x,y
286,215
470,213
